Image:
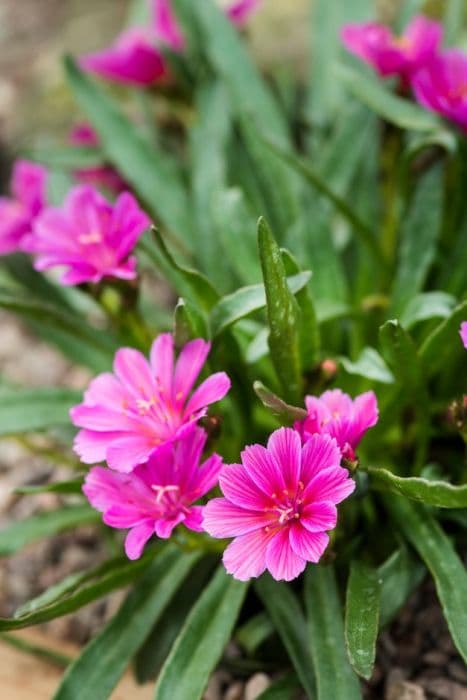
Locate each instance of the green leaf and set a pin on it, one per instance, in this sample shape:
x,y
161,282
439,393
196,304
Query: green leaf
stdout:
x,y
97,670
67,157
23,532
453,20
188,282
283,315
440,557
370,365
361,617
71,486
77,590
400,575
189,323
277,406
287,617
153,175
283,689
334,676
401,355
85,344
24,410
418,238
426,306
246,300
253,633
361,229
229,58
202,639
397,111
157,646
208,173
443,341
441,494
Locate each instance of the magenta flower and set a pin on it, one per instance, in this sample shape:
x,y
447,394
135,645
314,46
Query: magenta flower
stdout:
x,y
100,176
441,86
133,59
390,55
157,496
17,213
239,12
463,333
89,236
278,504
128,415
335,414
165,25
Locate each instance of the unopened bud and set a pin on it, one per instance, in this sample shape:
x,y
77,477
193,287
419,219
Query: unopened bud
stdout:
x,y
329,368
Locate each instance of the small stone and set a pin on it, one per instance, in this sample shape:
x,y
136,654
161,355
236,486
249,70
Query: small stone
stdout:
x,y
405,691
256,685
458,671
234,692
435,658
447,690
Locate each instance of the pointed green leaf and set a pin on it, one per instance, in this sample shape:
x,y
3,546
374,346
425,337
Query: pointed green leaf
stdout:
x,y
453,20
396,110
400,575
24,410
441,494
443,341
283,315
97,670
67,157
362,617
71,486
287,617
370,365
402,357
334,676
202,639
426,306
286,413
153,175
246,300
19,534
253,633
439,555
189,323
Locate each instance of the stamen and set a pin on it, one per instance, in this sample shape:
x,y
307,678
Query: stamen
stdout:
x,y
88,238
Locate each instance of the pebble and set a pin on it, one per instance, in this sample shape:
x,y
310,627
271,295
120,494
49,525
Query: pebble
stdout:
x,y
405,691
447,690
256,685
234,692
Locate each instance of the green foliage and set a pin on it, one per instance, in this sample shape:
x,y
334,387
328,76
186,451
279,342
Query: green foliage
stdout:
x,y
361,617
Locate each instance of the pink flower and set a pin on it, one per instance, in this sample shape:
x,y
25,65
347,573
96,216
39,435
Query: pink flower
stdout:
x,y
390,55
101,176
238,12
463,333
335,414
278,504
17,213
441,86
89,236
165,25
157,496
128,415
133,59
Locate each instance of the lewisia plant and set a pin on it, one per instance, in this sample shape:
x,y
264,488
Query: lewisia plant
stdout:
x,y
262,282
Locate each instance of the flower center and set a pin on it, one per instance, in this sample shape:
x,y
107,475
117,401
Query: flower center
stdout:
x,y
286,506
402,42
90,238
166,496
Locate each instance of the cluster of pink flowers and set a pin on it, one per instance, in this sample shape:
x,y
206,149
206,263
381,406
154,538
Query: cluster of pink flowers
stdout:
x,y
278,504
437,78
135,58
28,199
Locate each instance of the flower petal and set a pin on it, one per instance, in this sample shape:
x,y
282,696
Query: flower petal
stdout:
x,y
189,364
133,370
194,519
319,452
285,445
319,516
137,538
307,545
162,363
245,557
214,388
263,469
128,451
329,485
238,488
281,561
224,519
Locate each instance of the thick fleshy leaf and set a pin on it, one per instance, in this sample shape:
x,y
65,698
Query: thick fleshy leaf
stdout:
x,y
287,414
370,365
362,617
439,555
19,534
425,306
97,670
400,575
401,354
246,300
283,315
441,494
334,676
443,341
24,410
395,110
149,172
288,619
201,641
